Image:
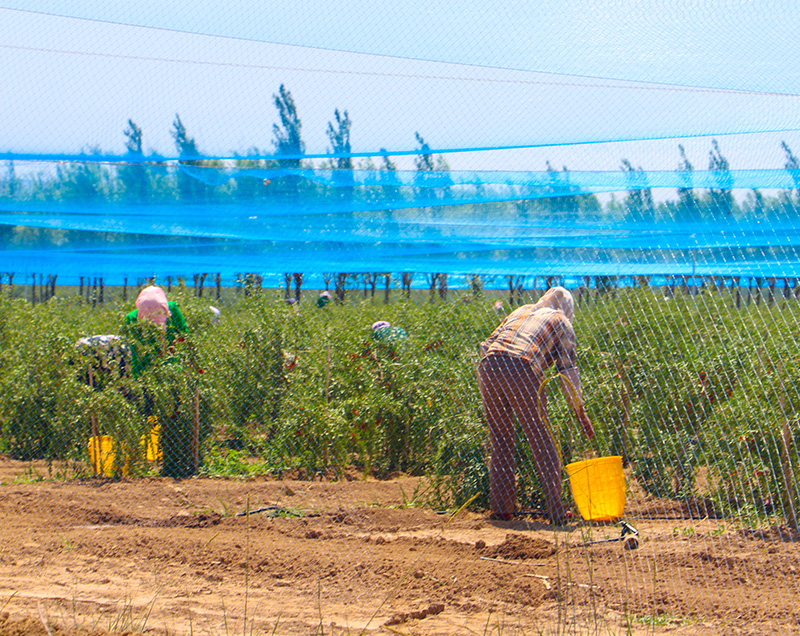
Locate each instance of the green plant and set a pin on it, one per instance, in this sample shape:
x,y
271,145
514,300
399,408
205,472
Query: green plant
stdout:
x,y
698,406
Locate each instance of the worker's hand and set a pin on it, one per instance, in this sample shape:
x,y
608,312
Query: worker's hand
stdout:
x,y
586,424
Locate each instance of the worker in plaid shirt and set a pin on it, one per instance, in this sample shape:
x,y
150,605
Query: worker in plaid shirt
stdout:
x,y
510,375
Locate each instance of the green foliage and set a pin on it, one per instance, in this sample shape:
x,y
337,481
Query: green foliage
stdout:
x,y
692,391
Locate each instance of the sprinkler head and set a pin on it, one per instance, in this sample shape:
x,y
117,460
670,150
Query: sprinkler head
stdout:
x,y
630,543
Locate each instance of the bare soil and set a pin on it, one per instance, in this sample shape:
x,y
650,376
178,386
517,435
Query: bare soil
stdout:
x,y
355,556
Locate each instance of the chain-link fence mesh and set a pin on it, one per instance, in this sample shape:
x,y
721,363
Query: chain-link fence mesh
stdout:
x,y
355,423
425,381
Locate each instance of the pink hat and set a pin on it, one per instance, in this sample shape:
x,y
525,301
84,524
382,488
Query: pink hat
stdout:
x,y
380,324
152,305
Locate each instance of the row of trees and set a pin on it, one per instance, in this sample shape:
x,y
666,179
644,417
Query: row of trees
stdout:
x,y
145,178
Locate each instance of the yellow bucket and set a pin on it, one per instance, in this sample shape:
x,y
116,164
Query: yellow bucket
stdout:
x,y
153,451
101,455
598,487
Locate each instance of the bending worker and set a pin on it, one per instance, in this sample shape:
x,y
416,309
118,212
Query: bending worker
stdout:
x,y
510,375
152,306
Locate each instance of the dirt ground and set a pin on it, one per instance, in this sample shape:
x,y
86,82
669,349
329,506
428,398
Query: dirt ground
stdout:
x,y
353,557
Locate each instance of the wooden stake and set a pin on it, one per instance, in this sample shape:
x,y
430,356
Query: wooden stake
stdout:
x,y
196,432
98,461
789,494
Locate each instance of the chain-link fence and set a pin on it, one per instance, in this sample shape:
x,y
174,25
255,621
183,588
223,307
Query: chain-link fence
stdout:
x,y
257,396
364,403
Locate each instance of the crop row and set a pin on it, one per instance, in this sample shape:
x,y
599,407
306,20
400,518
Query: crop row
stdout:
x,y
698,395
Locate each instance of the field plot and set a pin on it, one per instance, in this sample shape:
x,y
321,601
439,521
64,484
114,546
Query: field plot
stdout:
x,y
354,556
364,470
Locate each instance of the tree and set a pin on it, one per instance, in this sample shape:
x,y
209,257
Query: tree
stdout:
x,y
133,135
10,187
515,289
82,180
424,158
720,198
388,164
639,201
687,199
339,136
250,187
340,140
423,162
288,139
189,187
11,184
388,178
793,166
134,175
559,202
426,167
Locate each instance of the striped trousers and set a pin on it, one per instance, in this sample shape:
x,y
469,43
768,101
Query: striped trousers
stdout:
x,y
510,390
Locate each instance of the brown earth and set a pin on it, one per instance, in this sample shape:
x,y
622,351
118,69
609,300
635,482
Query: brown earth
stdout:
x,y
353,557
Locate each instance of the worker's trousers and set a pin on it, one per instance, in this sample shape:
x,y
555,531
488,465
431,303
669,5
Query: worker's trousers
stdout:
x,y
510,389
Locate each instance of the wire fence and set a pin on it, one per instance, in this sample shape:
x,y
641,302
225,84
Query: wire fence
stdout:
x,y
313,436
693,386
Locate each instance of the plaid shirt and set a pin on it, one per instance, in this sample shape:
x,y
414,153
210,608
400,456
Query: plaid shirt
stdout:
x,y
542,338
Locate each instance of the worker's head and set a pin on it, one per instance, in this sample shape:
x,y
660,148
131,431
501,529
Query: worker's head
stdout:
x,y
559,299
152,305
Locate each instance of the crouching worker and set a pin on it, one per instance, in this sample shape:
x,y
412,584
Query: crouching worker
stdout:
x,y
152,306
514,359
169,389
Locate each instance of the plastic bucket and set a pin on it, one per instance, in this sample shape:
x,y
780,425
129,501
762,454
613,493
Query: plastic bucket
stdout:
x,y
598,487
101,455
152,446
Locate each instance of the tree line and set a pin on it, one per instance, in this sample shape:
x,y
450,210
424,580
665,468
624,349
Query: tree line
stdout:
x,y
145,177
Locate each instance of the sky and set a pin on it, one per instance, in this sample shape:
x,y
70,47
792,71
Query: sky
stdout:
x,y
581,84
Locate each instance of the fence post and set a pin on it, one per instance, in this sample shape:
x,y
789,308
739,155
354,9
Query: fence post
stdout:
x,y
196,432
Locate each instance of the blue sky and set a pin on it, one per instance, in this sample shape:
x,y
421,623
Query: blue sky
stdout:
x,y
463,73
